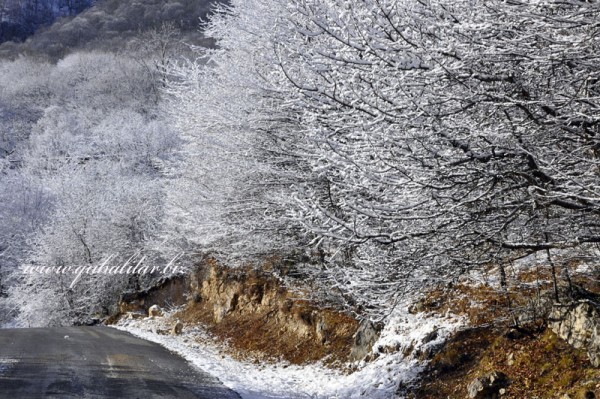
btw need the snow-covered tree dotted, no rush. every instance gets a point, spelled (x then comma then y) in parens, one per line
(424, 137)
(241, 172)
(87, 183)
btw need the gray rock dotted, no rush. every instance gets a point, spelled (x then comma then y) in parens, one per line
(155, 311)
(364, 339)
(490, 386)
(177, 328)
(431, 336)
(578, 323)
(322, 330)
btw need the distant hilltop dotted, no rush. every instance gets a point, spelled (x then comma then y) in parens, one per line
(55, 28)
(19, 19)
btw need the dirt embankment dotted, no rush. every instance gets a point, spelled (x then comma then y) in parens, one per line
(254, 314)
(509, 334)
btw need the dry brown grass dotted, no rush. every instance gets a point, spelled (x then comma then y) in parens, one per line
(262, 337)
(537, 363)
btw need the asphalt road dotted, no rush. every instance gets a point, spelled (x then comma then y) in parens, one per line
(96, 362)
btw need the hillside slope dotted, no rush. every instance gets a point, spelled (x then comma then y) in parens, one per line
(108, 24)
(19, 19)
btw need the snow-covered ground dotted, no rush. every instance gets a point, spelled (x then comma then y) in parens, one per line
(378, 379)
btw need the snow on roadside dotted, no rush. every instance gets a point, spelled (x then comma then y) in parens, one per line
(378, 379)
(6, 364)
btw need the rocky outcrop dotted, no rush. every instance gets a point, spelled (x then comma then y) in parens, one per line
(364, 339)
(490, 386)
(255, 313)
(578, 323)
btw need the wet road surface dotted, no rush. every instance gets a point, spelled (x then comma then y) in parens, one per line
(96, 362)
